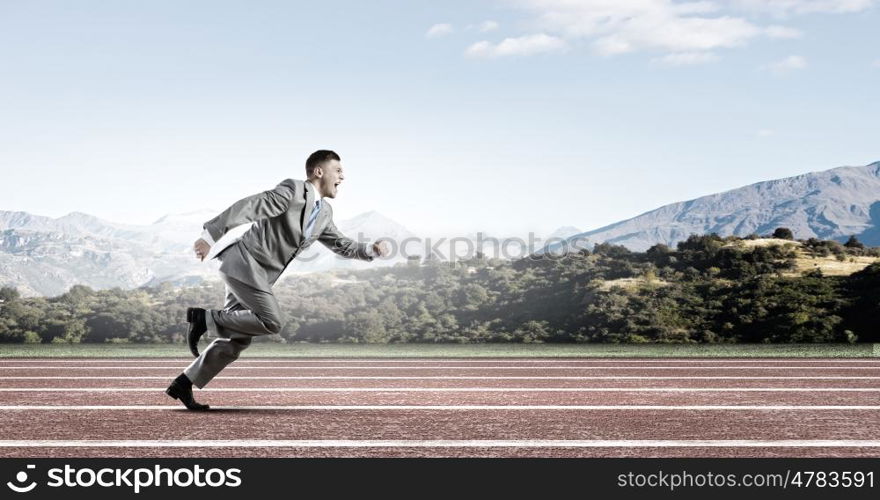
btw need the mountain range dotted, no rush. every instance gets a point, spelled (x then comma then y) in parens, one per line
(46, 256)
(831, 204)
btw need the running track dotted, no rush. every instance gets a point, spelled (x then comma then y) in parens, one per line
(485, 407)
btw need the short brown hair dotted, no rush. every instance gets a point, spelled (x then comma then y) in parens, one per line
(319, 157)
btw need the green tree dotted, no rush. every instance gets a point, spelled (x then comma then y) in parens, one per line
(854, 242)
(783, 233)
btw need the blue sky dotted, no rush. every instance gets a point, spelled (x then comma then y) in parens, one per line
(503, 116)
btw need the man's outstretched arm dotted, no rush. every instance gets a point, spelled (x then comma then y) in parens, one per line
(347, 247)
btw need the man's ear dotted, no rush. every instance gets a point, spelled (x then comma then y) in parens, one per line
(319, 172)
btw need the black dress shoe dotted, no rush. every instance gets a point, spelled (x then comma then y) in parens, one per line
(185, 394)
(198, 325)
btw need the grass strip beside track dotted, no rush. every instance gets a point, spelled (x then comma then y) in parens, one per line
(457, 350)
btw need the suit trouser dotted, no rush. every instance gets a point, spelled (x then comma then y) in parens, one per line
(247, 313)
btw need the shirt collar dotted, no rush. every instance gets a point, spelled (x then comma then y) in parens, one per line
(317, 191)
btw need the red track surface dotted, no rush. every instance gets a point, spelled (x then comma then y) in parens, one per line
(321, 408)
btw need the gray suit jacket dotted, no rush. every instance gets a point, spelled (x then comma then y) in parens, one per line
(276, 238)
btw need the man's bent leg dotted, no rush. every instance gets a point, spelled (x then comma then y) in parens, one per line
(216, 357)
(247, 312)
(253, 311)
(230, 304)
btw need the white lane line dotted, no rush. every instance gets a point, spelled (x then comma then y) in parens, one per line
(448, 360)
(451, 407)
(452, 389)
(458, 443)
(573, 367)
(440, 377)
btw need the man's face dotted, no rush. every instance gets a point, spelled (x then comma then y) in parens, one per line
(329, 177)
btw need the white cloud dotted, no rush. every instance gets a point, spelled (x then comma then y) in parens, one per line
(622, 26)
(439, 30)
(487, 26)
(787, 65)
(685, 59)
(782, 32)
(670, 27)
(765, 132)
(521, 46)
(789, 7)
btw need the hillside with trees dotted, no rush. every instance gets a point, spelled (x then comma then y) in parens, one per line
(708, 289)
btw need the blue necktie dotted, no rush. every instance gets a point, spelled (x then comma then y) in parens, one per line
(310, 225)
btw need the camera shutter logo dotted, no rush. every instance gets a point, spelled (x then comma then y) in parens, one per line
(20, 478)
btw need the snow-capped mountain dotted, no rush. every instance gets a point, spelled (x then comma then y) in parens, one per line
(46, 256)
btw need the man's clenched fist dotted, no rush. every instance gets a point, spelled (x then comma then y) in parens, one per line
(380, 248)
(201, 248)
